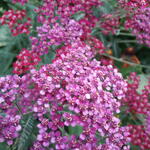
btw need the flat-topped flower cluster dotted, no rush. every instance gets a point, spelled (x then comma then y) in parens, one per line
(72, 91)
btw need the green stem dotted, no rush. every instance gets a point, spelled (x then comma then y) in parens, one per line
(19, 109)
(126, 34)
(125, 61)
(127, 41)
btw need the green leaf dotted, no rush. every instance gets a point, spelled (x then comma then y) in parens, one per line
(143, 82)
(47, 58)
(115, 48)
(126, 71)
(6, 59)
(77, 130)
(5, 35)
(9, 48)
(25, 137)
(141, 118)
(133, 147)
(78, 16)
(108, 6)
(3, 146)
(2, 114)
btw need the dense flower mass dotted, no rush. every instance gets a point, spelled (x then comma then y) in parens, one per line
(69, 93)
(134, 15)
(139, 24)
(52, 11)
(111, 24)
(147, 123)
(76, 84)
(66, 32)
(9, 122)
(8, 86)
(9, 128)
(26, 60)
(139, 136)
(65, 9)
(133, 3)
(60, 29)
(17, 21)
(137, 102)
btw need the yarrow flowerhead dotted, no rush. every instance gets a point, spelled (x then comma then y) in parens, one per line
(9, 128)
(137, 102)
(26, 60)
(65, 9)
(147, 123)
(74, 83)
(110, 24)
(139, 137)
(17, 21)
(74, 91)
(63, 33)
(139, 24)
(139, 107)
(131, 4)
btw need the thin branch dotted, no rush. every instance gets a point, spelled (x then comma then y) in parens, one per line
(30, 112)
(125, 61)
(127, 41)
(125, 34)
(19, 109)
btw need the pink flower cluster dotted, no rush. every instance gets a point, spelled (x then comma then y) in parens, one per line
(137, 103)
(65, 8)
(66, 32)
(74, 6)
(95, 44)
(133, 3)
(136, 15)
(147, 123)
(17, 21)
(111, 23)
(52, 11)
(9, 128)
(9, 121)
(88, 23)
(26, 60)
(8, 87)
(58, 26)
(72, 91)
(139, 24)
(139, 136)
